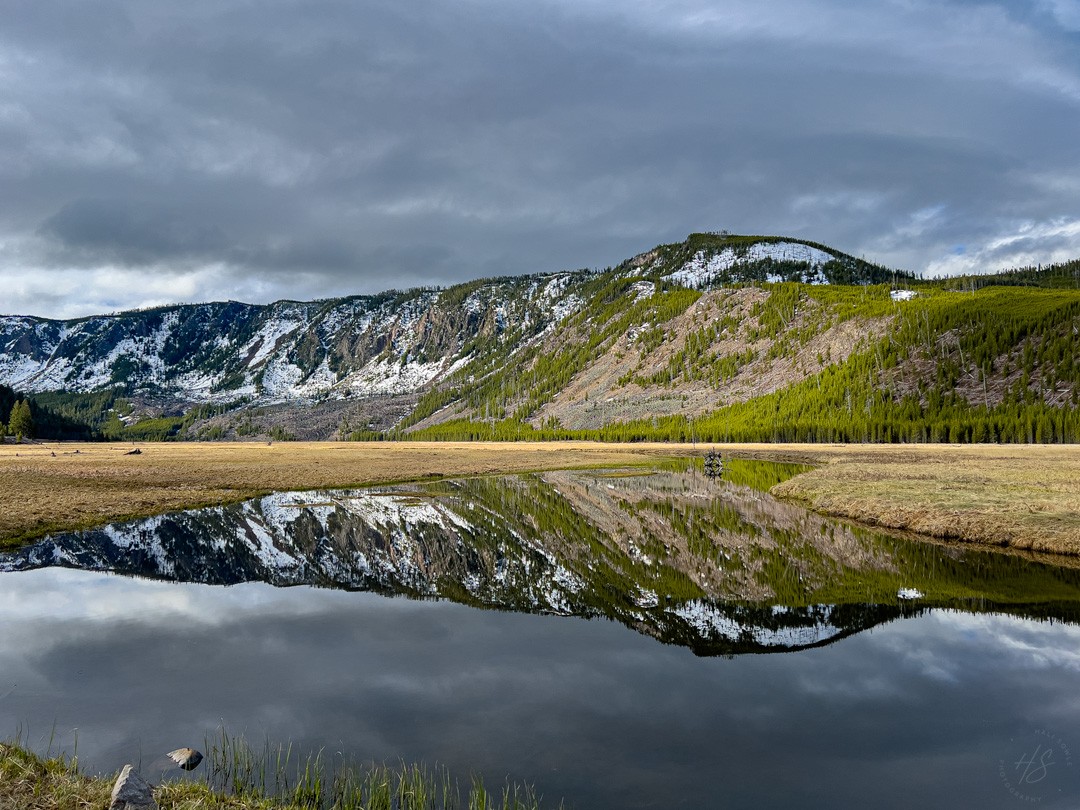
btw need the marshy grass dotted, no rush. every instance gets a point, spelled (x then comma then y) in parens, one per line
(239, 776)
(1017, 496)
(318, 781)
(30, 782)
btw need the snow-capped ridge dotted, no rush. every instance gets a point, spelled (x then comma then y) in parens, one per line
(705, 267)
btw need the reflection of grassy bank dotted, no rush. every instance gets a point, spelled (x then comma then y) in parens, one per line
(964, 577)
(239, 778)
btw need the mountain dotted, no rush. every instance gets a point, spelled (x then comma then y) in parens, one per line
(718, 336)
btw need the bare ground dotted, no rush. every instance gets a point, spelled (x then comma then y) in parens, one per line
(598, 396)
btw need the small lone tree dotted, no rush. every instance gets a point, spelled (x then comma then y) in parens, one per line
(21, 422)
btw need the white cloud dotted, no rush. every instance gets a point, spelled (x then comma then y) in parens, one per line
(1024, 244)
(55, 596)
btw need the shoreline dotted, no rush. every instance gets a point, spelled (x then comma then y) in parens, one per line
(1024, 497)
(56, 782)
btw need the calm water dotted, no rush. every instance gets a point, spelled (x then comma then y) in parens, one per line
(664, 640)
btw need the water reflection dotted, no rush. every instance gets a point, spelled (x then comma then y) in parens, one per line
(916, 713)
(720, 567)
(924, 711)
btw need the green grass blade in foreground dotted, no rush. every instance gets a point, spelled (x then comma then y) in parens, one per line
(238, 770)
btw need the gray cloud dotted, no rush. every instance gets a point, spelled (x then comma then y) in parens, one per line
(291, 150)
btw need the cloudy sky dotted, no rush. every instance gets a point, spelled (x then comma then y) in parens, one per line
(158, 152)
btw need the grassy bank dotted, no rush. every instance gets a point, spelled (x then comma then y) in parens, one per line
(232, 782)
(1024, 496)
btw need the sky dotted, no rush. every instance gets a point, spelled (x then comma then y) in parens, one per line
(154, 153)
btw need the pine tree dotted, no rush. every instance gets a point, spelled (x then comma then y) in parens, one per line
(21, 422)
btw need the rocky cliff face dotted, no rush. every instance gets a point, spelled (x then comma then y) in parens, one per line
(221, 352)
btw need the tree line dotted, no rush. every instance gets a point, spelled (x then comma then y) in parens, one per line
(28, 419)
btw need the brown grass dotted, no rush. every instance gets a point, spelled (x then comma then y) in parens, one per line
(1017, 495)
(29, 782)
(57, 487)
(1021, 496)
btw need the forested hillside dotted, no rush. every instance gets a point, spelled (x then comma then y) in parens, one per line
(716, 338)
(994, 364)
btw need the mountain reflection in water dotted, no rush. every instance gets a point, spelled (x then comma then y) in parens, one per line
(713, 565)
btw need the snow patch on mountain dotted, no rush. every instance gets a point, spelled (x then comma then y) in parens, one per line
(565, 308)
(265, 342)
(555, 288)
(21, 371)
(704, 268)
(392, 376)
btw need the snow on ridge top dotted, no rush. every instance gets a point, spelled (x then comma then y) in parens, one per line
(700, 270)
(22, 322)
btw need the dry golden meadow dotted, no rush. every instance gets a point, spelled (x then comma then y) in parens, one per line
(1020, 496)
(57, 486)
(1024, 496)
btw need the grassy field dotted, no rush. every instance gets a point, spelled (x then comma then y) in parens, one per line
(1025, 496)
(1020, 496)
